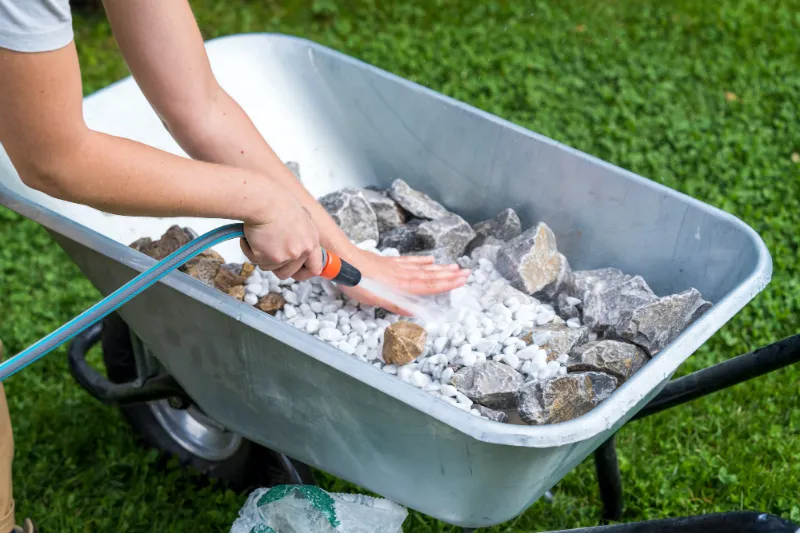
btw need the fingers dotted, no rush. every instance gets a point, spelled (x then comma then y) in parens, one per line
(303, 274)
(429, 286)
(314, 261)
(289, 269)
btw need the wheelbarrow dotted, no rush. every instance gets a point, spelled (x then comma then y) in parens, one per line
(213, 376)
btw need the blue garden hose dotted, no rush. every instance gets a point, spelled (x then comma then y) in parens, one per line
(345, 274)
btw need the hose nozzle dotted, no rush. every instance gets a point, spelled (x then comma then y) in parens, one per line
(339, 271)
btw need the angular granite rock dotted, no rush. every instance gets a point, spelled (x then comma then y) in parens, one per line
(352, 213)
(566, 306)
(404, 238)
(563, 279)
(271, 303)
(504, 227)
(604, 306)
(389, 214)
(594, 280)
(531, 262)
(620, 359)
(171, 240)
(450, 233)
(403, 342)
(657, 323)
(490, 384)
(602, 385)
(415, 202)
(556, 400)
(488, 250)
(561, 339)
(491, 414)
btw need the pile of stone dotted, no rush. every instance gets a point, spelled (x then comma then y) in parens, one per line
(527, 340)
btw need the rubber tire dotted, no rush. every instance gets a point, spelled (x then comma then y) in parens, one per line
(250, 467)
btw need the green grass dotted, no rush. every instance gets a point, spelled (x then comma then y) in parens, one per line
(641, 84)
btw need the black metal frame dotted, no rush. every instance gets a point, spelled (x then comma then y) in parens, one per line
(677, 392)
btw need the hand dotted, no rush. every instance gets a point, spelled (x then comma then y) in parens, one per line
(417, 275)
(287, 242)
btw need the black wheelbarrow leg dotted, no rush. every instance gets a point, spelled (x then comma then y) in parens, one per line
(683, 390)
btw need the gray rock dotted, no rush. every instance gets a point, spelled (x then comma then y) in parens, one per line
(556, 400)
(504, 227)
(491, 414)
(620, 359)
(594, 280)
(563, 280)
(531, 262)
(405, 238)
(657, 323)
(351, 211)
(440, 255)
(294, 166)
(451, 233)
(602, 385)
(564, 308)
(389, 214)
(606, 304)
(415, 202)
(562, 339)
(486, 251)
(490, 384)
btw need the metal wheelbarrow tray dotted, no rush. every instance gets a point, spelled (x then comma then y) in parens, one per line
(350, 124)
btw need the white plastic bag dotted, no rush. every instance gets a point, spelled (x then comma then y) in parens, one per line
(309, 509)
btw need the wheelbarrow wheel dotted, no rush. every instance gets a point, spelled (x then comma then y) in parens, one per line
(185, 432)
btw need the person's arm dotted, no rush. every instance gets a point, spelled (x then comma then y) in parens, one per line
(43, 131)
(165, 52)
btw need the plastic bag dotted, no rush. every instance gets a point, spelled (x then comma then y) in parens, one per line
(309, 509)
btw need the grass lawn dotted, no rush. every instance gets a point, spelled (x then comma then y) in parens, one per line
(701, 96)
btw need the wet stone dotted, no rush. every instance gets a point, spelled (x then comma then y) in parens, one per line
(205, 270)
(491, 414)
(271, 303)
(556, 400)
(605, 306)
(206, 255)
(352, 213)
(171, 240)
(657, 323)
(227, 278)
(562, 339)
(405, 238)
(504, 227)
(247, 270)
(237, 292)
(389, 214)
(450, 233)
(490, 384)
(403, 342)
(620, 359)
(531, 262)
(416, 202)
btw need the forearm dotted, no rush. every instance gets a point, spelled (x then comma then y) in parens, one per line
(225, 134)
(125, 177)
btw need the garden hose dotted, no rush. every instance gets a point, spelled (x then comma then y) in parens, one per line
(334, 269)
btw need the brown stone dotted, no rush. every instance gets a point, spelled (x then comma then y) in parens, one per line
(237, 292)
(202, 256)
(173, 238)
(226, 279)
(205, 270)
(247, 270)
(403, 342)
(271, 303)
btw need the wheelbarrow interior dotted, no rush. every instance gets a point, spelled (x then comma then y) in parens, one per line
(350, 124)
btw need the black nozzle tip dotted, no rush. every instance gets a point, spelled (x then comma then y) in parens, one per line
(349, 276)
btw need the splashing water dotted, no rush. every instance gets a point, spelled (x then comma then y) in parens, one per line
(424, 309)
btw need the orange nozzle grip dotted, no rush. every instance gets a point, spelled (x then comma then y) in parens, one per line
(332, 267)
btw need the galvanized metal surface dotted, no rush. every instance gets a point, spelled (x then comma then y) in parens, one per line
(348, 123)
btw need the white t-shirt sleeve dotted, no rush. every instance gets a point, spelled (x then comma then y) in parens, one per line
(35, 25)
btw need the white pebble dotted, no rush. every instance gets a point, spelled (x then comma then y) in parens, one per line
(290, 311)
(447, 374)
(300, 322)
(303, 291)
(330, 308)
(500, 310)
(563, 358)
(329, 288)
(526, 367)
(330, 334)
(405, 372)
(418, 379)
(251, 298)
(252, 288)
(464, 406)
(511, 360)
(520, 344)
(316, 307)
(345, 328)
(359, 326)
(592, 336)
(458, 339)
(572, 301)
(381, 323)
(390, 369)
(461, 398)
(312, 326)
(540, 338)
(432, 387)
(511, 341)
(469, 359)
(529, 352)
(439, 344)
(474, 337)
(371, 324)
(464, 349)
(510, 350)
(485, 265)
(475, 412)
(480, 357)
(325, 324)
(562, 371)
(290, 297)
(347, 348)
(573, 323)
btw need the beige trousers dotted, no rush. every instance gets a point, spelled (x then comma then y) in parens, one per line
(7, 521)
